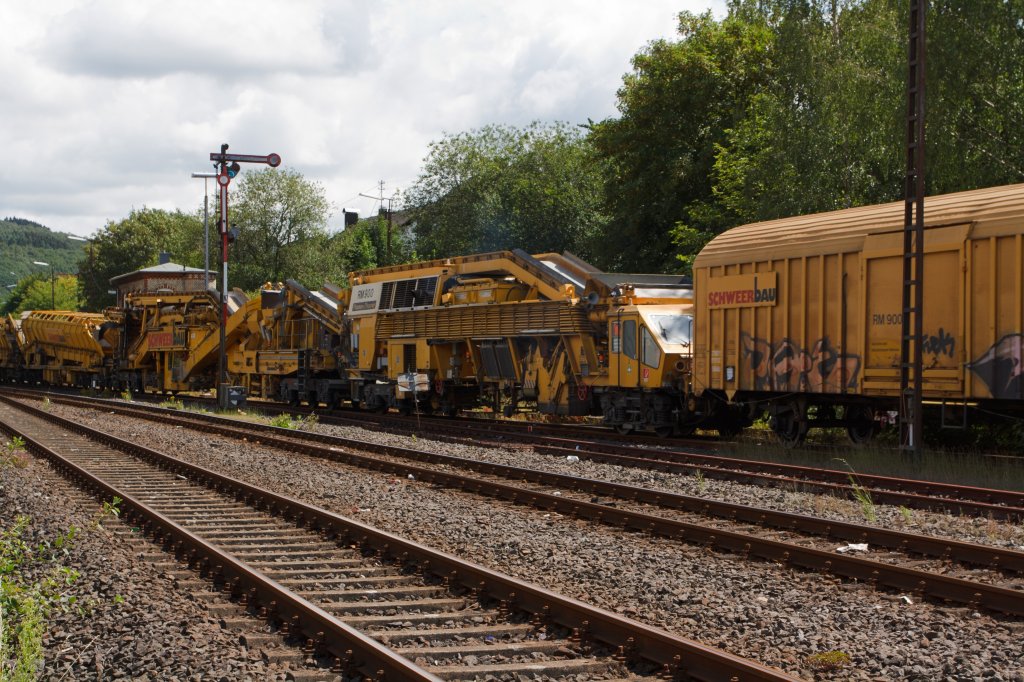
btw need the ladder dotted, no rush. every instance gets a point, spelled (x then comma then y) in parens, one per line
(913, 242)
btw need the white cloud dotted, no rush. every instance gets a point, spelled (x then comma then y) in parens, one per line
(110, 104)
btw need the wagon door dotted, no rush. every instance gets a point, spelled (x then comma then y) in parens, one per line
(625, 368)
(943, 344)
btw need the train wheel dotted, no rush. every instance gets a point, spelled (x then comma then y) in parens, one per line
(625, 429)
(664, 431)
(729, 430)
(789, 431)
(788, 426)
(860, 424)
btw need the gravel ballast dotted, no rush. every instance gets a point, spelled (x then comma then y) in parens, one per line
(771, 614)
(124, 618)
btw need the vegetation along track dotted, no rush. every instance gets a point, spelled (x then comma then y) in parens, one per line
(364, 599)
(911, 493)
(938, 568)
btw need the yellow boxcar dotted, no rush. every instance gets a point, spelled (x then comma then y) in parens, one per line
(806, 312)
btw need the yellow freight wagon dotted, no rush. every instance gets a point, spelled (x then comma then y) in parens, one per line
(64, 347)
(11, 342)
(801, 317)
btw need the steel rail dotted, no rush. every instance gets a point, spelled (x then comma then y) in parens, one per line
(342, 641)
(917, 494)
(923, 583)
(941, 548)
(761, 474)
(675, 654)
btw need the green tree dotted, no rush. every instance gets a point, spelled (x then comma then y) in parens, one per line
(498, 187)
(136, 242)
(788, 107)
(23, 241)
(281, 220)
(975, 94)
(825, 132)
(675, 107)
(41, 292)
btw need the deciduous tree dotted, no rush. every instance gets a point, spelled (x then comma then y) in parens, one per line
(281, 220)
(136, 242)
(39, 292)
(499, 187)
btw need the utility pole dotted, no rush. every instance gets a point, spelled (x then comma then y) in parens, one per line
(912, 330)
(387, 217)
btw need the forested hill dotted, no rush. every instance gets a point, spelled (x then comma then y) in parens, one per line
(23, 241)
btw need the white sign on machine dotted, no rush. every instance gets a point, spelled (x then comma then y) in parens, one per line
(365, 299)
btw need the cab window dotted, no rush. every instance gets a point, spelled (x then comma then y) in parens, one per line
(650, 353)
(629, 339)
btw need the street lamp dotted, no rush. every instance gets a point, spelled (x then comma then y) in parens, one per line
(53, 283)
(206, 225)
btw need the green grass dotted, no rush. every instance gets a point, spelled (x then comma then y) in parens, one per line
(828, 661)
(26, 602)
(862, 495)
(13, 454)
(963, 466)
(287, 421)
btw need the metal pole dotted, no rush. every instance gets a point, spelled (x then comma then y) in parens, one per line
(912, 319)
(227, 165)
(222, 385)
(206, 225)
(206, 234)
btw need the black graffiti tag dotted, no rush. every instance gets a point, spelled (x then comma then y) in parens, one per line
(939, 344)
(786, 366)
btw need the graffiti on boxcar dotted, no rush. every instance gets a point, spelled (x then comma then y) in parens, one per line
(1001, 367)
(786, 366)
(942, 343)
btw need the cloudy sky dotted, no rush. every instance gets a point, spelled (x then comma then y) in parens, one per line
(109, 105)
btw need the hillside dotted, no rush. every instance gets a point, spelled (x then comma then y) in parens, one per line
(23, 241)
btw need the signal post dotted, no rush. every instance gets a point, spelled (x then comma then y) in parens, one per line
(227, 166)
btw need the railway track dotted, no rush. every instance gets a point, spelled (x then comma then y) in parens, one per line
(910, 493)
(365, 602)
(937, 568)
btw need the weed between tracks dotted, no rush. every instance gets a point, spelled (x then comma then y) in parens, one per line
(828, 661)
(172, 404)
(862, 495)
(14, 455)
(287, 421)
